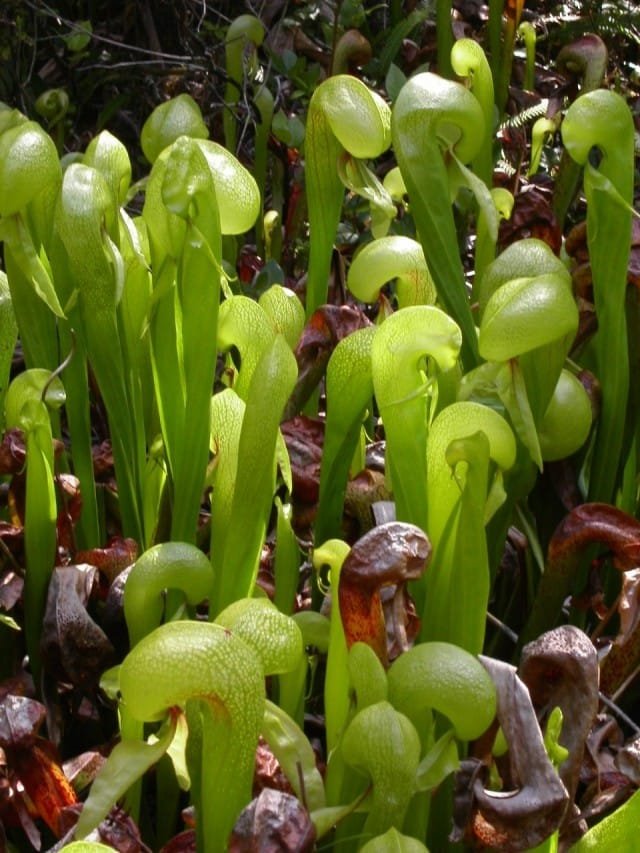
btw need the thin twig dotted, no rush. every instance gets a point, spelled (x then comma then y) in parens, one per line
(618, 712)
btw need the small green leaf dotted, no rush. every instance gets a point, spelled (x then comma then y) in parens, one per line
(394, 81)
(513, 393)
(556, 752)
(180, 116)
(127, 763)
(481, 193)
(292, 749)
(79, 37)
(326, 819)
(441, 760)
(177, 753)
(274, 637)
(315, 629)
(393, 842)
(288, 129)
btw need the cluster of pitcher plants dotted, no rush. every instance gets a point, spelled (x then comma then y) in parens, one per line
(504, 410)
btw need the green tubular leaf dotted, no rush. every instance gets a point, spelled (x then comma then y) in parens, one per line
(585, 59)
(175, 565)
(10, 117)
(343, 115)
(457, 495)
(29, 167)
(167, 566)
(393, 842)
(272, 228)
(275, 638)
(24, 408)
(183, 661)
(227, 412)
(358, 117)
(503, 202)
(109, 156)
(87, 214)
(271, 385)
(35, 320)
(448, 679)
(349, 388)
(285, 311)
(314, 627)
(244, 31)
(384, 744)
(399, 354)
(52, 105)
(165, 230)
(166, 357)
(188, 317)
(393, 257)
(447, 110)
(529, 314)
(468, 59)
(527, 32)
(185, 178)
(287, 559)
(541, 133)
(567, 421)
(524, 314)
(135, 304)
(430, 116)
(265, 105)
(32, 263)
(8, 337)
(40, 526)
(236, 189)
(333, 553)
(291, 685)
(602, 119)
(87, 222)
(245, 325)
(444, 36)
(28, 387)
(367, 675)
(461, 420)
(179, 116)
(523, 259)
(463, 559)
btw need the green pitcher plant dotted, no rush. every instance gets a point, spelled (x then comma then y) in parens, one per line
(27, 405)
(344, 116)
(185, 220)
(216, 672)
(437, 128)
(601, 120)
(257, 615)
